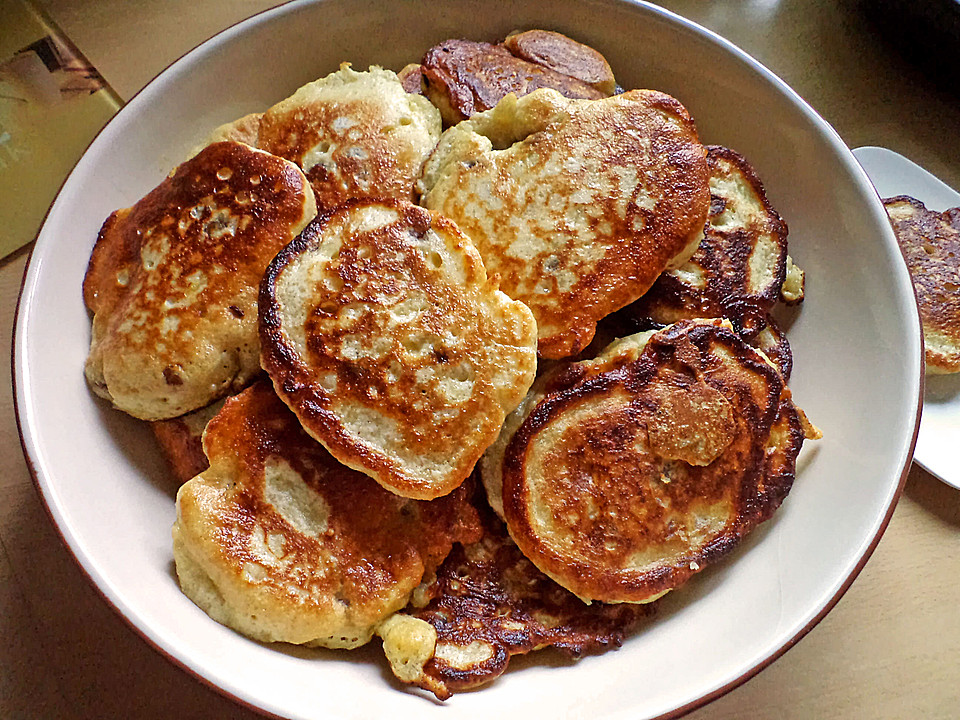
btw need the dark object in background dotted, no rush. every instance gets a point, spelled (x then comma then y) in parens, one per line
(927, 32)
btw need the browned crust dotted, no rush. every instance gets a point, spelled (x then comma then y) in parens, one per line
(772, 341)
(181, 448)
(930, 242)
(564, 55)
(723, 258)
(172, 281)
(411, 77)
(463, 77)
(376, 539)
(488, 593)
(748, 476)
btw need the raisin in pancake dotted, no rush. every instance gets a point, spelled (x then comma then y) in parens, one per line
(565, 55)
(180, 441)
(578, 205)
(355, 134)
(383, 333)
(172, 281)
(740, 266)
(487, 604)
(282, 543)
(930, 242)
(462, 77)
(625, 475)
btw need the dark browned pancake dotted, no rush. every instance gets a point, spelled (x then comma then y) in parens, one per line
(565, 55)
(740, 266)
(180, 441)
(283, 543)
(489, 603)
(172, 281)
(623, 476)
(462, 77)
(930, 242)
(773, 343)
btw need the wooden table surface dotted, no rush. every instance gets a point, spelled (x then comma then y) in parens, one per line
(889, 649)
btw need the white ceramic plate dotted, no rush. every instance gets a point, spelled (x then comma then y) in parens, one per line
(937, 451)
(857, 332)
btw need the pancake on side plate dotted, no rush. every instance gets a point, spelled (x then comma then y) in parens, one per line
(280, 542)
(172, 281)
(578, 205)
(623, 476)
(464, 77)
(740, 266)
(383, 333)
(487, 604)
(355, 134)
(930, 242)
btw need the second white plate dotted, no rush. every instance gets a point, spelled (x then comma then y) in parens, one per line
(937, 450)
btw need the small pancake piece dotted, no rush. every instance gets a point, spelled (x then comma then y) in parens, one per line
(578, 205)
(282, 543)
(355, 134)
(383, 333)
(739, 269)
(624, 476)
(463, 77)
(172, 281)
(565, 55)
(930, 242)
(181, 441)
(487, 604)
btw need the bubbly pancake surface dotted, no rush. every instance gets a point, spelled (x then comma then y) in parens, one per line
(487, 604)
(282, 543)
(930, 242)
(740, 266)
(172, 281)
(625, 475)
(354, 134)
(383, 333)
(463, 77)
(578, 205)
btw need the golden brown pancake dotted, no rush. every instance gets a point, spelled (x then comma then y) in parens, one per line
(578, 205)
(172, 281)
(623, 476)
(462, 77)
(383, 333)
(930, 242)
(282, 543)
(740, 266)
(565, 55)
(355, 134)
(487, 604)
(245, 129)
(180, 441)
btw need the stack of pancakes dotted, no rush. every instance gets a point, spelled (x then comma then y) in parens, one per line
(479, 390)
